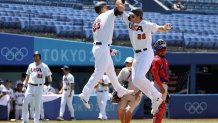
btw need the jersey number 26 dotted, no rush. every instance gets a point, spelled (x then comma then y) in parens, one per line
(141, 36)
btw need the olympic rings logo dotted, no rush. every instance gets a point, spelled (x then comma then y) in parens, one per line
(195, 107)
(14, 53)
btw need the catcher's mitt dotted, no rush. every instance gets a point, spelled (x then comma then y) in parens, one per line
(115, 99)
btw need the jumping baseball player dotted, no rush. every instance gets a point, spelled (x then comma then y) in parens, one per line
(102, 91)
(140, 35)
(127, 103)
(67, 92)
(18, 97)
(35, 79)
(102, 34)
(160, 72)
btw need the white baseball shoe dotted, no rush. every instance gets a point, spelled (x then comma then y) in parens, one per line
(60, 118)
(155, 105)
(86, 103)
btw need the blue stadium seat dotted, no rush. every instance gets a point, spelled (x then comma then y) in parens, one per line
(121, 34)
(88, 33)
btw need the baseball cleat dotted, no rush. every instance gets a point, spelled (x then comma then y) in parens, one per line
(155, 105)
(86, 103)
(72, 119)
(60, 118)
(43, 119)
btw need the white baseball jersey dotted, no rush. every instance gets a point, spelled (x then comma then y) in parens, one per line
(103, 27)
(48, 89)
(140, 33)
(10, 92)
(123, 75)
(2, 88)
(19, 97)
(105, 81)
(67, 80)
(38, 73)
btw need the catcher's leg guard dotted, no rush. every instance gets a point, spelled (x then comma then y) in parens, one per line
(158, 116)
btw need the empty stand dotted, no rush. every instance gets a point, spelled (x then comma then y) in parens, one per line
(189, 30)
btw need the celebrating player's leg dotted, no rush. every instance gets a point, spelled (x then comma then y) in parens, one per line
(102, 34)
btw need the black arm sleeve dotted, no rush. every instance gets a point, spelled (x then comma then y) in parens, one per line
(117, 12)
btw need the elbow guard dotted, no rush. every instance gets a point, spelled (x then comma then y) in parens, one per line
(117, 12)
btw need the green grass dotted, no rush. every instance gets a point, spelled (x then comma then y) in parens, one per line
(133, 121)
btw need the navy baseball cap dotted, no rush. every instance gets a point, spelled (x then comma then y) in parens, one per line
(67, 68)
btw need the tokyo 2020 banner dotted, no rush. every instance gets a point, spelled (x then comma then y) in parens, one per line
(18, 50)
(60, 52)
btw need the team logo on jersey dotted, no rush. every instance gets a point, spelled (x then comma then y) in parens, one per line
(36, 70)
(135, 27)
(14, 53)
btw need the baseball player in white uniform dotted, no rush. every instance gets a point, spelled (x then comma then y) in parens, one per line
(2, 89)
(141, 39)
(18, 97)
(35, 79)
(102, 91)
(67, 92)
(102, 33)
(10, 92)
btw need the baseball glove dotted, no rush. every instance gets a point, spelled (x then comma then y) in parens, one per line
(115, 99)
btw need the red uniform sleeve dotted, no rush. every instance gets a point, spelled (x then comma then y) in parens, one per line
(155, 70)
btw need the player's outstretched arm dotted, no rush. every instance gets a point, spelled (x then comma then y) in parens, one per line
(165, 27)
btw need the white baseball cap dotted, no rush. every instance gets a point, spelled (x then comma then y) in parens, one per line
(129, 59)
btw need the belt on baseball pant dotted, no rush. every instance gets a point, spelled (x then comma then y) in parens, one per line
(36, 84)
(100, 43)
(138, 51)
(102, 91)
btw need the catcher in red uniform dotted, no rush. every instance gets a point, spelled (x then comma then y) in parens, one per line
(160, 71)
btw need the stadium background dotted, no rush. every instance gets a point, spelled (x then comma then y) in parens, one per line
(192, 45)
